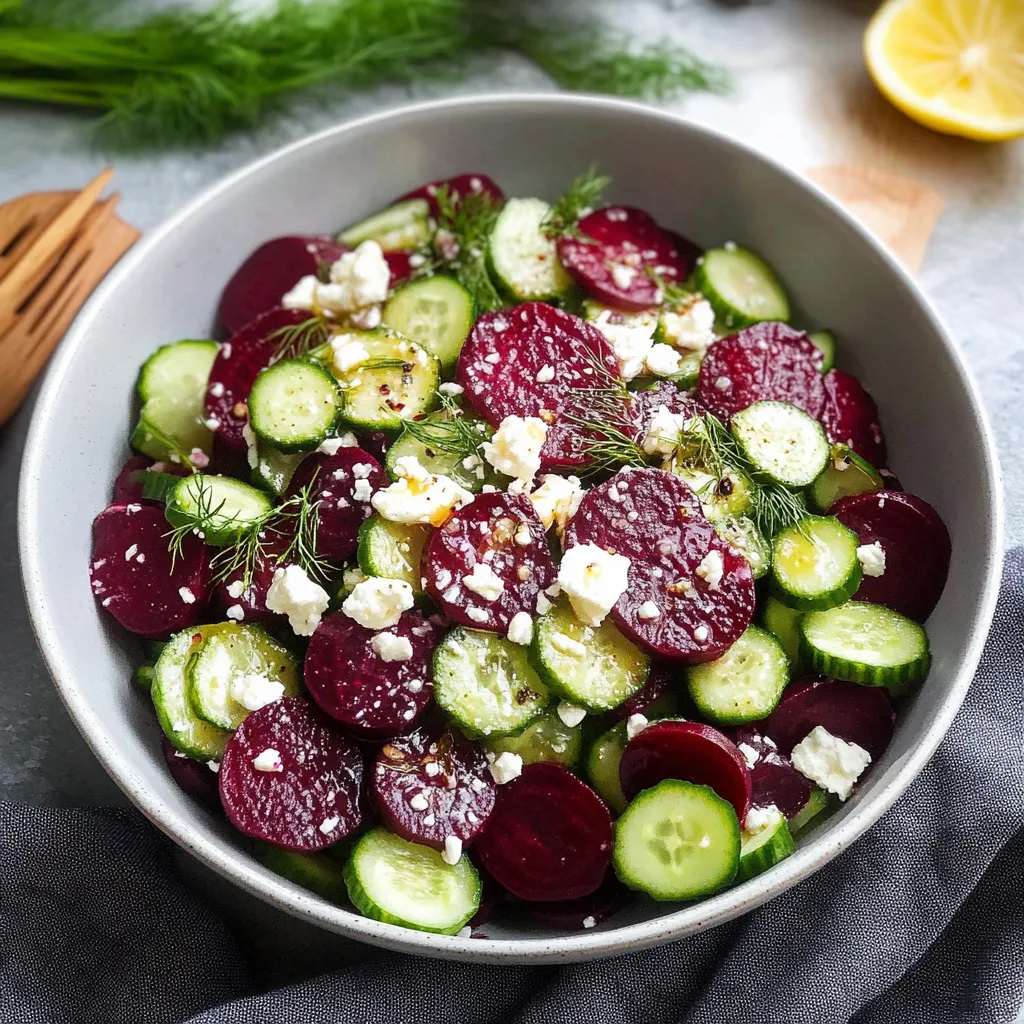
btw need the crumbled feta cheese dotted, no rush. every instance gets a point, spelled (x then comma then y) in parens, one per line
(133, 508)
(692, 329)
(254, 691)
(571, 715)
(663, 432)
(505, 767)
(589, 922)
(567, 645)
(760, 818)
(515, 448)
(418, 802)
(749, 754)
(217, 389)
(214, 766)
(477, 614)
(332, 445)
(545, 374)
(520, 629)
(303, 294)
(623, 275)
(235, 589)
(294, 594)
(556, 499)
(465, 933)
(186, 595)
(543, 604)
(523, 535)
(328, 825)
(358, 282)
(711, 569)
(648, 610)
(378, 603)
(419, 496)
(662, 360)
(832, 763)
(362, 490)
(131, 552)
(348, 353)
(268, 760)
(701, 633)
(723, 383)
(236, 612)
(452, 852)
(484, 582)
(635, 724)
(451, 388)
(389, 647)
(594, 581)
(872, 559)
(630, 342)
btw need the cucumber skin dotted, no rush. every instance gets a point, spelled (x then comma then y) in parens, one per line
(562, 282)
(367, 562)
(313, 871)
(568, 757)
(783, 623)
(214, 537)
(817, 804)
(825, 343)
(840, 594)
(605, 777)
(307, 442)
(759, 860)
(447, 359)
(733, 318)
(859, 468)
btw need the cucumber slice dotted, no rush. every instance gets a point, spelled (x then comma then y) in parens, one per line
(720, 496)
(392, 550)
(764, 849)
(866, 643)
(317, 872)
(486, 683)
(155, 485)
(784, 622)
(782, 442)
(546, 738)
(221, 507)
(142, 677)
(522, 259)
(677, 841)
(742, 533)
(406, 225)
(293, 405)
(188, 733)
(815, 564)
(403, 883)
(595, 667)
(741, 287)
(435, 312)
(846, 473)
(603, 766)
(825, 342)
(817, 803)
(745, 683)
(179, 370)
(273, 470)
(236, 656)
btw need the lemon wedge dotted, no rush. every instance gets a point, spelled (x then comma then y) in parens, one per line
(956, 66)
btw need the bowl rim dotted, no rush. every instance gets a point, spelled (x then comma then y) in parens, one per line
(255, 879)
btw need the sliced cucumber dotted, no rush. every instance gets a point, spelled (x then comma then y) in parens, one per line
(220, 507)
(825, 343)
(142, 677)
(595, 667)
(188, 733)
(273, 470)
(815, 564)
(764, 849)
(742, 533)
(720, 496)
(293, 405)
(866, 643)
(318, 872)
(406, 884)
(546, 738)
(603, 766)
(486, 683)
(179, 370)
(817, 803)
(677, 841)
(745, 683)
(155, 485)
(392, 550)
(441, 447)
(522, 259)
(436, 313)
(406, 225)
(846, 473)
(741, 287)
(784, 622)
(782, 442)
(236, 658)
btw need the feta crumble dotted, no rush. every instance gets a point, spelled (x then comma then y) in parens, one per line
(663, 432)
(419, 496)
(556, 500)
(545, 374)
(749, 754)
(635, 725)
(571, 715)
(254, 691)
(872, 559)
(760, 818)
(594, 580)
(711, 569)
(515, 448)
(520, 629)
(294, 594)
(378, 603)
(832, 763)
(186, 595)
(389, 647)
(691, 329)
(662, 360)
(701, 633)
(648, 610)
(348, 353)
(332, 445)
(358, 282)
(328, 825)
(567, 645)
(484, 582)
(631, 342)
(268, 760)
(452, 852)
(505, 767)
(451, 388)
(418, 802)
(236, 612)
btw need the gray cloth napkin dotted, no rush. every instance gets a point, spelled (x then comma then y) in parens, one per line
(922, 920)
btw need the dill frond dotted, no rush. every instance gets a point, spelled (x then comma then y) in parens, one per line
(297, 340)
(576, 202)
(452, 435)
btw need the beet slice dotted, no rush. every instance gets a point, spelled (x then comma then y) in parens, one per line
(459, 185)
(658, 685)
(344, 504)
(549, 837)
(400, 265)
(850, 416)
(585, 912)
(766, 362)
(773, 779)
(653, 518)
(127, 489)
(489, 532)
(500, 361)
(196, 779)
(432, 784)
(916, 545)
(855, 713)
(271, 271)
(253, 599)
(131, 571)
(615, 249)
(314, 800)
(352, 683)
(235, 369)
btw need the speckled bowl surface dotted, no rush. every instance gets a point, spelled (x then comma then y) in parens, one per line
(706, 186)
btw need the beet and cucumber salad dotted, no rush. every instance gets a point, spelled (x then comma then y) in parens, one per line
(515, 557)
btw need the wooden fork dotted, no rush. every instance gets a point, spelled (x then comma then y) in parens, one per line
(55, 248)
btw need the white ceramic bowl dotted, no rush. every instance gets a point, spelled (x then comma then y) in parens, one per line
(708, 187)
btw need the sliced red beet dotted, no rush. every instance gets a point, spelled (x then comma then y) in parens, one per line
(128, 483)
(131, 571)
(400, 265)
(658, 685)
(549, 837)
(586, 911)
(351, 682)
(502, 533)
(850, 416)
(230, 591)
(691, 751)
(234, 371)
(916, 545)
(654, 519)
(431, 784)
(766, 362)
(196, 779)
(616, 248)
(375, 443)
(270, 272)
(773, 779)
(458, 186)
(855, 713)
(314, 800)
(344, 503)
(500, 361)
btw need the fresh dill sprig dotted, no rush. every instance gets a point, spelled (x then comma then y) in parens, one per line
(175, 451)
(204, 518)
(576, 202)
(297, 340)
(672, 294)
(452, 435)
